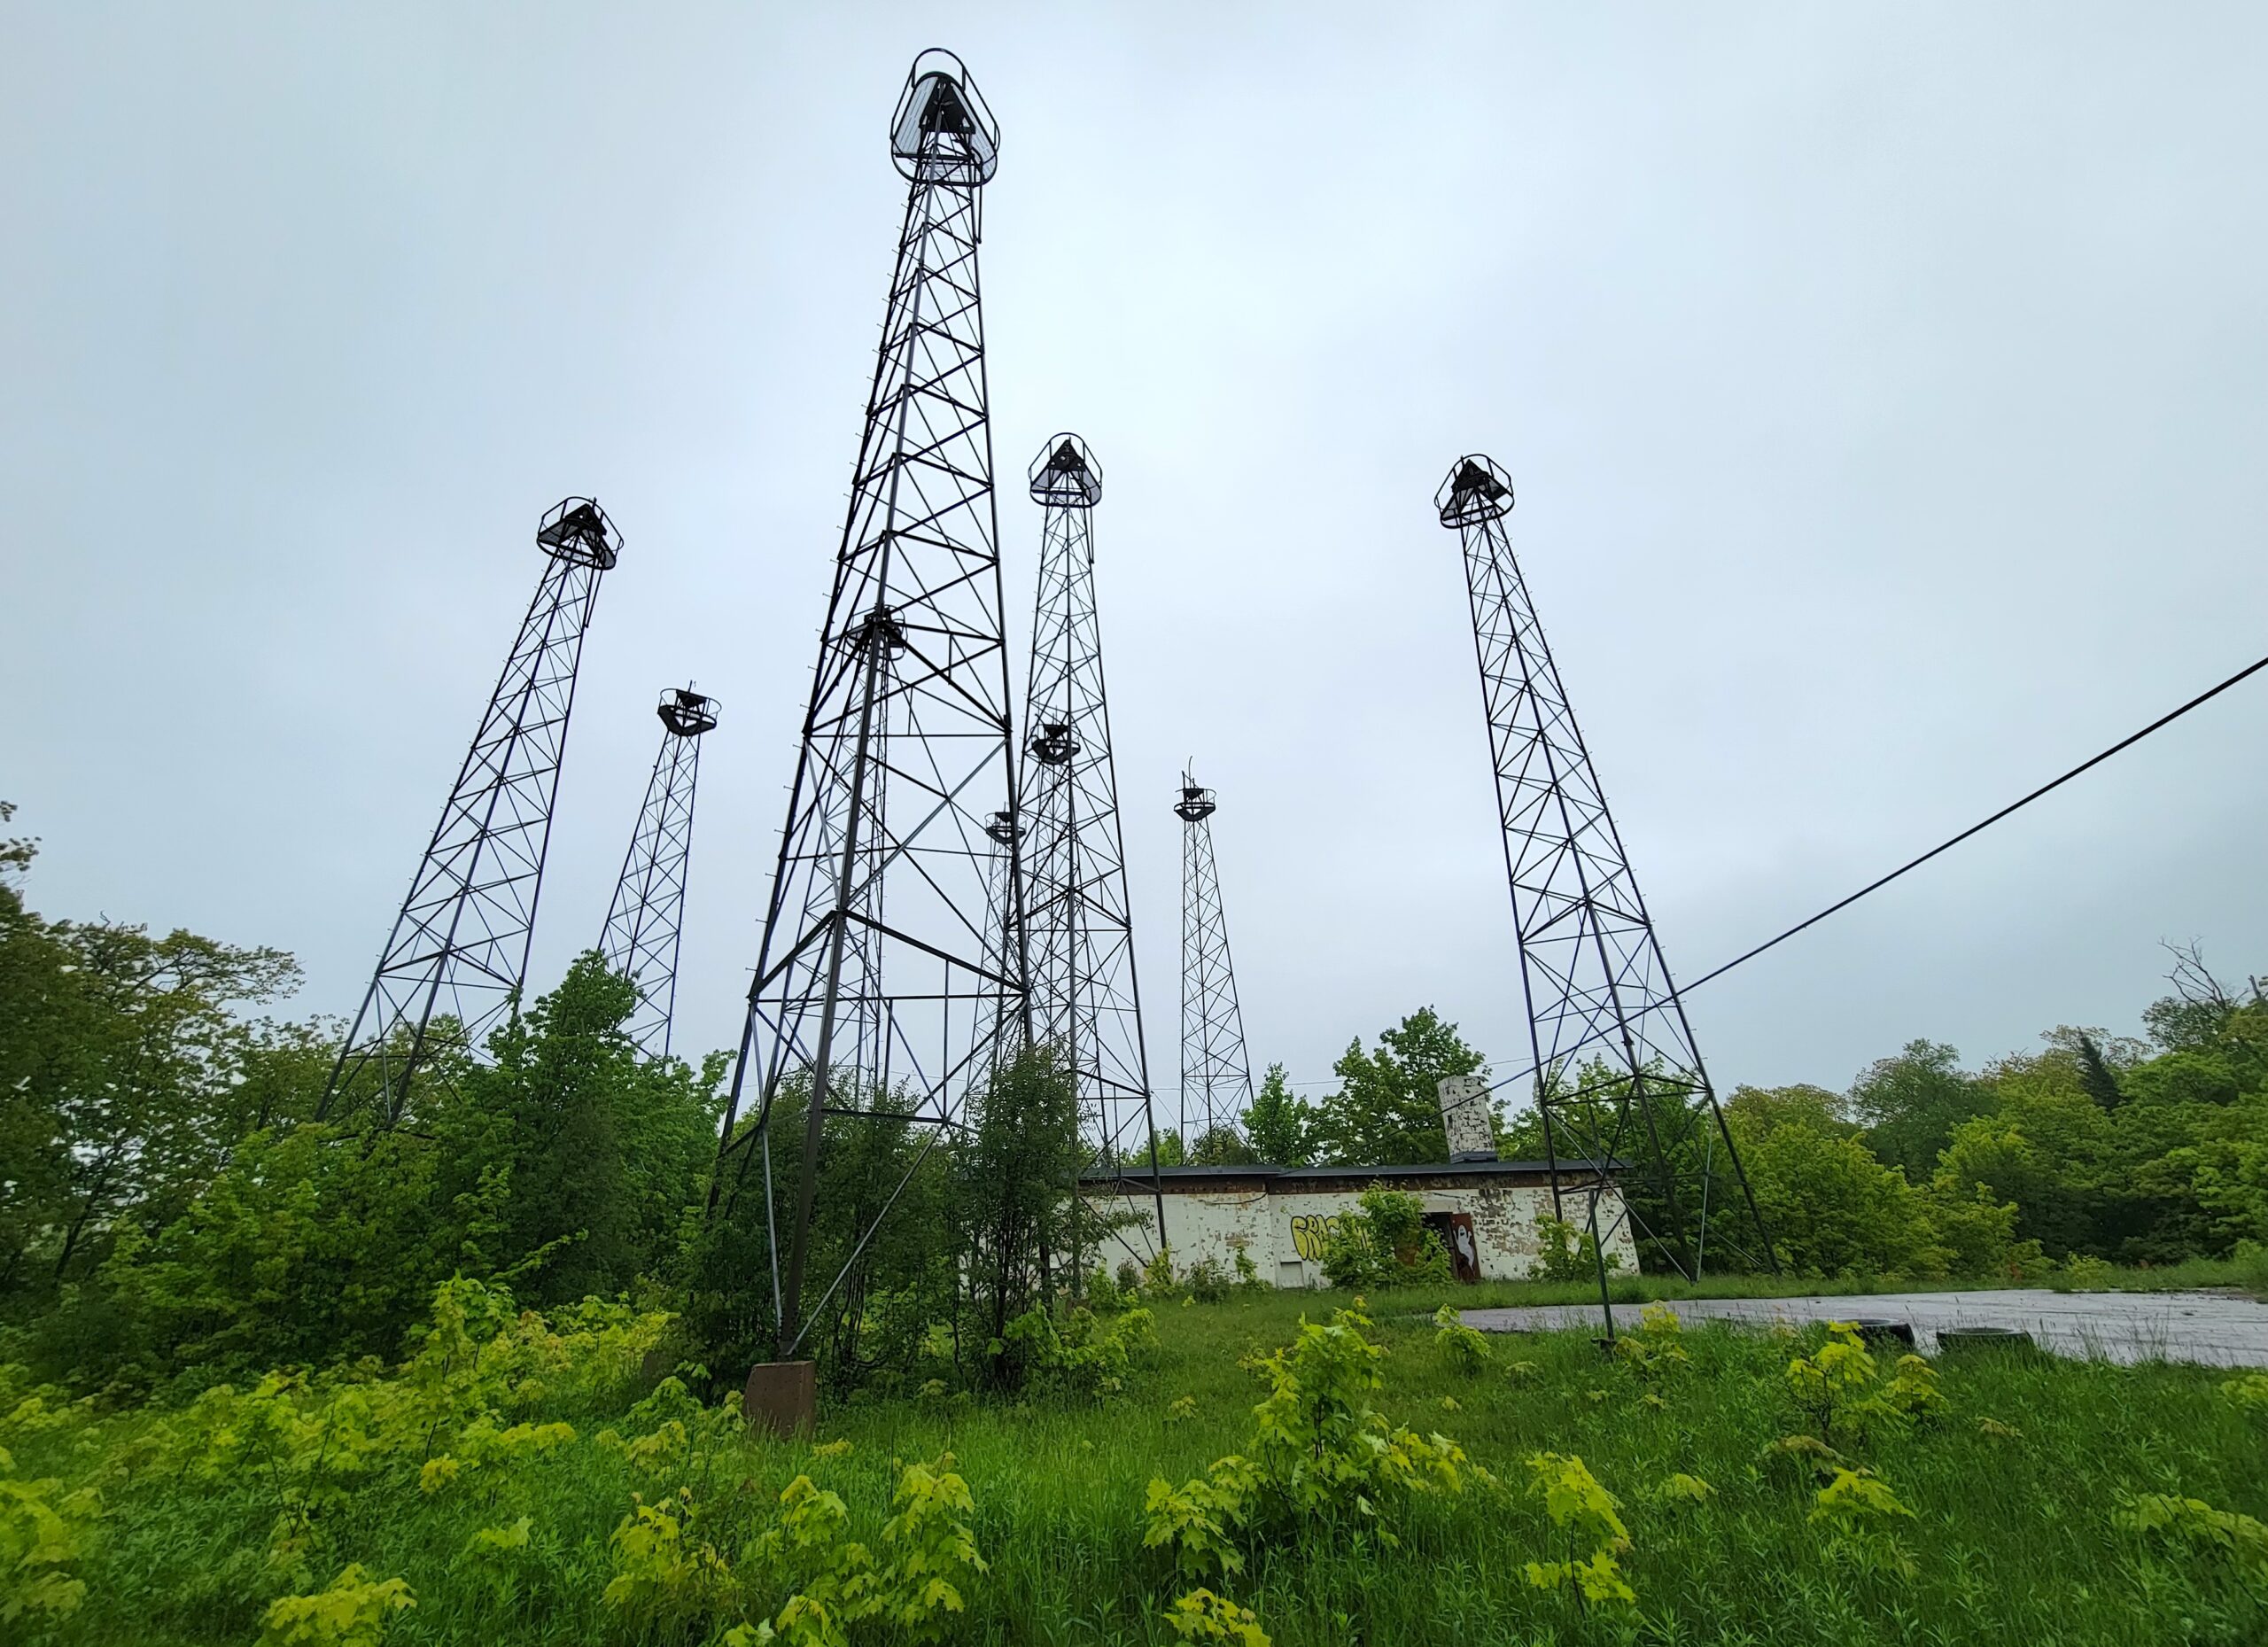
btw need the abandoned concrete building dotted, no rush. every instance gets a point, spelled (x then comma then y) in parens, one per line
(1486, 1212)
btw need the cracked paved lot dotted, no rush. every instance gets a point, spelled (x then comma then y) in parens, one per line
(2216, 1329)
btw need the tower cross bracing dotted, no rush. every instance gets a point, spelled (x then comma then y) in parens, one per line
(877, 985)
(1622, 1093)
(645, 921)
(1215, 1074)
(1085, 994)
(457, 957)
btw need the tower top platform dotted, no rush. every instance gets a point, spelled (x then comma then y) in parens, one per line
(943, 131)
(577, 529)
(1475, 491)
(687, 712)
(1064, 472)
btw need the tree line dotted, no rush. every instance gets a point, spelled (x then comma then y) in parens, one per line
(170, 1210)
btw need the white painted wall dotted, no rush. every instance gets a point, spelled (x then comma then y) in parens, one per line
(1281, 1232)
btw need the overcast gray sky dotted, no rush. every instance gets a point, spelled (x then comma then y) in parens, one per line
(1885, 388)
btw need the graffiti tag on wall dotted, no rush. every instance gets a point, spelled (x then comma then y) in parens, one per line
(1309, 1232)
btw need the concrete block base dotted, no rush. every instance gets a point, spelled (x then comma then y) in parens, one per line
(782, 1396)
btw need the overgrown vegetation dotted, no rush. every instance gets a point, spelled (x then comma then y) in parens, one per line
(1274, 1468)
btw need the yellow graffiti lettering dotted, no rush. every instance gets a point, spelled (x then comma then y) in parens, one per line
(1310, 1230)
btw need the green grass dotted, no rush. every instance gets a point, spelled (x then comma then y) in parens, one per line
(2014, 1539)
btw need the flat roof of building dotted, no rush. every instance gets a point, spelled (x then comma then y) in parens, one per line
(1195, 1178)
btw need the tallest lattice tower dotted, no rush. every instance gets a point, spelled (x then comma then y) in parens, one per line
(877, 985)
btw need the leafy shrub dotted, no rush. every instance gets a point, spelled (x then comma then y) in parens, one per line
(2192, 1525)
(1912, 1392)
(1586, 1513)
(1086, 1359)
(493, 1556)
(828, 1576)
(1859, 1510)
(1681, 1489)
(1209, 1280)
(1568, 1252)
(43, 1531)
(1157, 1272)
(933, 1553)
(2249, 1392)
(1247, 1272)
(1322, 1449)
(1467, 1347)
(1656, 1344)
(1320, 1453)
(666, 1575)
(1385, 1242)
(1201, 1616)
(2083, 1272)
(1839, 1388)
(352, 1611)
(1350, 1255)
(671, 1577)
(1197, 1521)
(1807, 1452)
(1105, 1295)
(1835, 1386)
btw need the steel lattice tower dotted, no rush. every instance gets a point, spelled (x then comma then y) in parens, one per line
(907, 750)
(458, 955)
(1618, 1076)
(1079, 946)
(644, 922)
(1215, 1077)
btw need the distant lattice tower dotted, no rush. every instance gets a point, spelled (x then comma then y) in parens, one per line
(1215, 1076)
(1079, 946)
(1620, 1081)
(878, 992)
(1003, 938)
(458, 955)
(646, 919)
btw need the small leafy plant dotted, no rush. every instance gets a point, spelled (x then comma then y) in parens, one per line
(1858, 1512)
(1586, 1513)
(1566, 1252)
(1466, 1348)
(1656, 1346)
(352, 1611)
(1201, 1616)
(1197, 1521)
(2193, 1526)
(1682, 1490)
(1835, 1386)
(2249, 1394)
(43, 1530)
(1321, 1453)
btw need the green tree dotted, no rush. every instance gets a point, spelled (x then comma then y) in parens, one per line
(571, 1162)
(1767, 1108)
(1387, 1111)
(123, 1058)
(1832, 1207)
(1017, 1225)
(1279, 1126)
(1222, 1147)
(1910, 1105)
(40, 1030)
